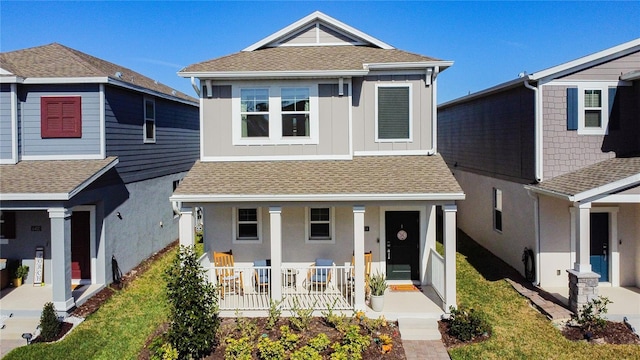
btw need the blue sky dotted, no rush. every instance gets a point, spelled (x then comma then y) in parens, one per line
(490, 42)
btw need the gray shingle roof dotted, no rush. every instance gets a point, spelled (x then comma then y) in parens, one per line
(49, 177)
(362, 175)
(305, 58)
(55, 60)
(592, 177)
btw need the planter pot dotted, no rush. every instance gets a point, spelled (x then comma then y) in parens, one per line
(377, 302)
(17, 282)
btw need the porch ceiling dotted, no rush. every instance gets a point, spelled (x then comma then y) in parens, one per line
(50, 179)
(364, 177)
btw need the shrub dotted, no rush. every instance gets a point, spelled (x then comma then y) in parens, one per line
(193, 306)
(49, 323)
(300, 317)
(246, 327)
(269, 349)
(590, 317)
(320, 342)
(352, 346)
(306, 353)
(289, 339)
(339, 322)
(274, 313)
(467, 324)
(239, 349)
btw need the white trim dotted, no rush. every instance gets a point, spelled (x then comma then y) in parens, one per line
(147, 91)
(316, 16)
(274, 158)
(92, 240)
(579, 82)
(592, 193)
(392, 85)
(350, 106)
(93, 177)
(11, 80)
(66, 80)
(201, 129)
(145, 139)
(307, 227)
(103, 123)
(408, 65)
(204, 198)
(14, 123)
(422, 223)
(234, 224)
(496, 208)
(619, 198)
(63, 157)
(603, 87)
(393, 153)
(5, 72)
(282, 74)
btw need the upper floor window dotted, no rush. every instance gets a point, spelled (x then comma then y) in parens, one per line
(247, 227)
(149, 127)
(588, 108)
(275, 114)
(61, 117)
(497, 209)
(393, 112)
(320, 225)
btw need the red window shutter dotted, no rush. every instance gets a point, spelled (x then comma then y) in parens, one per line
(61, 117)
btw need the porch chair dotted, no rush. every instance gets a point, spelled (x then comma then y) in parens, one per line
(228, 278)
(368, 258)
(261, 275)
(319, 274)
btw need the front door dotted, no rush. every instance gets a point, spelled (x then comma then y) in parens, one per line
(600, 245)
(402, 234)
(80, 245)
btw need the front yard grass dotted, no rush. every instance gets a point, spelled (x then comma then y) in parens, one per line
(119, 329)
(519, 331)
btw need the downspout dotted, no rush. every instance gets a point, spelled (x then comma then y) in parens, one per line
(195, 87)
(537, 131)
(434, 110)
(536, 225)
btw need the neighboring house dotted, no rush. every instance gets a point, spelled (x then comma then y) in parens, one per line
(90, 152)
(550, 161)
(319, 141)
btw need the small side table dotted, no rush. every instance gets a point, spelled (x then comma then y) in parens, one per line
(290, 278)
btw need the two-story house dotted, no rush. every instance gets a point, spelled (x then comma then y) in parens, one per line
(549, 162)
(91, 152)
(318, 145)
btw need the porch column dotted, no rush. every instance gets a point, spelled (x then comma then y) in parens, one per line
(275, 223)
(449, 240)
(61, 259)
(358, 256)
(187, 227)
(583, 238)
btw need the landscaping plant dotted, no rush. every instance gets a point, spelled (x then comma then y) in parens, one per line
(300, 317)
(274, 313)
(193, 306)
(466, 324)
(378, 284)
(590, 317)
(49, 323)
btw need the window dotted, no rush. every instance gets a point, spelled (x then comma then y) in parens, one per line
(149, 127)
(60, 117)
(275, 114)
(593, 108)
(588, 108)
(497, 209)
(7, 225)
(393, 112)
(295, 111)
(254, 111)
(247, 225)
(320, 225)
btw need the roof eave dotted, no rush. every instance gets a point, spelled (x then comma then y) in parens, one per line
(229, 75)
(148, 91)
(195, 198)
(492, 90)
(408, 65)
(591, 193)
(66, 80)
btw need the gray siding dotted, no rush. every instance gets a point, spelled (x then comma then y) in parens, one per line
(325, 35)
(610, 70)
(32, 143)
(493, 135)
(6, 138)
(177, 136)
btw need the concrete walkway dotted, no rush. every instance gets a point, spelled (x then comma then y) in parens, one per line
(421, 339)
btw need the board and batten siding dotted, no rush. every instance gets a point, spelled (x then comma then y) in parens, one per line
(177, 136)
(364, 114)
(492, 135)
(333, 127)
(32, 143)
(6, 131)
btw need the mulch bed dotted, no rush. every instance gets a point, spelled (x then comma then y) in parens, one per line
(65, 327)
(611, 333)
(451, 341)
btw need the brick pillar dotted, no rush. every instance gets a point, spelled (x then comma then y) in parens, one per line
(583, 287)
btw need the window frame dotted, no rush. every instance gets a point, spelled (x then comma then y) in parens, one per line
(498, 208)
(45, 133)
(146, 119)
(377, 131)
(332, 226)
(275, 113)
(236, 223)
(604, 109)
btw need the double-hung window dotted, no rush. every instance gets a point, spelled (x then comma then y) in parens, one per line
(393, 112)
(275, 114)
(320, 225)
(589, 106)
(497, 209)
(149, 127)
(247, 227)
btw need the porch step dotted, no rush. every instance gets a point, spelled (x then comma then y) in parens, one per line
(418, 329)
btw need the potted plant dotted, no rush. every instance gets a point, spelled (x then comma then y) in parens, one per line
(377, 284)
(19, 275)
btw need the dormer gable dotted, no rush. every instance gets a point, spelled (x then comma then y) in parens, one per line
(318, 29)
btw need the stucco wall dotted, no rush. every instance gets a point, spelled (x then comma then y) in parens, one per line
(629, 244)
(555, 235)
(475, 216)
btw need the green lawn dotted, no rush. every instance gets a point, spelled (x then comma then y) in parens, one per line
(119, 328)
(519, 331)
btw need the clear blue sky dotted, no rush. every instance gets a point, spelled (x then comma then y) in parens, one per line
(490, 42)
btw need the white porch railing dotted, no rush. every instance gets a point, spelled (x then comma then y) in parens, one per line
(249, 287)
(436, 262)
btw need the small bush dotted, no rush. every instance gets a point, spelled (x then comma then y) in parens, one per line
(289, 340)
(467, 324)
(339, 322)
(239, 349)
(270, 350)
(300, 317)
(352, 346)
(320, 342)
(274, 314)
(590, 317)
(306, 353)
(49, 323)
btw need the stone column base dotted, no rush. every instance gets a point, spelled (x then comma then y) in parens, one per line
(583, 287)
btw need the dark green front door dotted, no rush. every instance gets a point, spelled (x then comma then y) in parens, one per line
(402, 234)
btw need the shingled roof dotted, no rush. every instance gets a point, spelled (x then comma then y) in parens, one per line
(364, 177)
(601, 178)
(50, 179)
(58, 61)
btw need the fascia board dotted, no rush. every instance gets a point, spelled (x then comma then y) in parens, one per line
(93, 178)
(631, 76)
(408, 65)
(498, 88)
(317, 15)
(150, 92)
(608, 188)
(66, 80)
(11, 80)
(35, 196)
(317, 197)
(225, 75)
(555, 194)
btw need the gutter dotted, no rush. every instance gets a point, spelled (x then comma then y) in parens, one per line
(434, 111)
(537, 118)
(195, 87)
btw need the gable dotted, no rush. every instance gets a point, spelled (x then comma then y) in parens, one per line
(318, 34)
